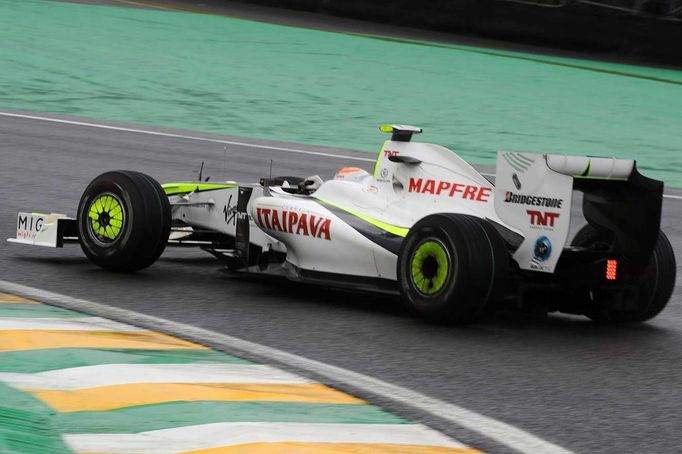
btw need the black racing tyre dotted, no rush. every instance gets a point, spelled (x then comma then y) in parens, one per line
(124, 220)
(452, 268)
(655, 285)
(592, 237)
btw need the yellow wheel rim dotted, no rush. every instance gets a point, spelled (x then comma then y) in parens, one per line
(106, 216)
(429, 267)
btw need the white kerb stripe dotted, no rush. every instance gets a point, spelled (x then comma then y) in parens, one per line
(120, 374)
(215, 435)
(505, 434)
(67, 324)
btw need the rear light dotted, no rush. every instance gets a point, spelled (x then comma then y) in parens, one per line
(611, 270)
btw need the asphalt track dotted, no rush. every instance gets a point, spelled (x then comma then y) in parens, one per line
(585, 387)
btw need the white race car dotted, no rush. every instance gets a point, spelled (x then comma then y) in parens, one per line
(424, 224)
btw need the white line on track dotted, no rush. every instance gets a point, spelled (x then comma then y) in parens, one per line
(182, 136)
(208, 139)
(670, 196)
(503, 433)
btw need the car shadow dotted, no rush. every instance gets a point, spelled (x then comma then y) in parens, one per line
(502, 320)
(386, 308)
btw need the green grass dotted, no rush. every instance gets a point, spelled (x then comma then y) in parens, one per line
(217, 74)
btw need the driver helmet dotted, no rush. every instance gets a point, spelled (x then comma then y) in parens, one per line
(350, 174)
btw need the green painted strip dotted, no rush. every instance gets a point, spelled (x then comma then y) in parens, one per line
(34, 361)
(37, 310)
(543, 104)
(26, 425)
(177, 414)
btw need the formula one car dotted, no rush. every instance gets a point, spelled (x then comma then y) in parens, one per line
(425, 224)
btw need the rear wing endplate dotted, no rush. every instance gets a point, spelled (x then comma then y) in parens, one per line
(534, 193)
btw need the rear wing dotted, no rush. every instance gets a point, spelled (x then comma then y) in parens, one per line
(534, 193)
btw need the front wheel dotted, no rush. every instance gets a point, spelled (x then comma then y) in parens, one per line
(653, 287)
(452, 267)
(124, 221)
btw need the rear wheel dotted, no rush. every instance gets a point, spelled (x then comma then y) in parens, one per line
(124, 221)
(452, 268)
(653, 287)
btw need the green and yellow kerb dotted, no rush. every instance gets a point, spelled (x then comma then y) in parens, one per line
(430, 264)
(106, 217)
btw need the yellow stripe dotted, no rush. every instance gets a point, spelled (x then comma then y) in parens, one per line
(332, 448)
(14, 299)
(399, 231)
(378, 161)
(184, 188)
(105, 398)
(15, 340)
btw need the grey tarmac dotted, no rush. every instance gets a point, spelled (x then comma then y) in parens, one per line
(586, 387)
